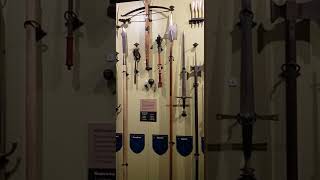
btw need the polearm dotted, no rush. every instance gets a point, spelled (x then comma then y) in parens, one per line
(315, 88)
(33, 93)
(184, 75)
(247, 116)
(291, 12)
(137, 57)
(148, 28)
(4, 154)
(72, 24)
(196, 72)
(125, 103)
(172, 35)
(160, 66)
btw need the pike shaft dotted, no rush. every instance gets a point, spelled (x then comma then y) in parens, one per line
(70, 37)
(2, 99)
(33, 96)
(160, 69)
(291, 95)
(125, 119)
(196, 116)
(171, 144)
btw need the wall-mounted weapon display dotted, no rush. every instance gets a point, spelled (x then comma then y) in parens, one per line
(292, 31)
(164, 37)
(148, 10)
(72, 23)
(197, 12)
(137, 57)
(160, 66)
(247, 116)
(184, 75)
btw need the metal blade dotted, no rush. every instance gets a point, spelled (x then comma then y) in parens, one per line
(309, 10)
(278, 33)
(277, 11)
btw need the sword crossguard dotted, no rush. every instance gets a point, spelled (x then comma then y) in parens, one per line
(274, 117)
(247, 118)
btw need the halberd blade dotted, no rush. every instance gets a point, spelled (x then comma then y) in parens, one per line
(277, 11)
(278, 33)
(309, 10)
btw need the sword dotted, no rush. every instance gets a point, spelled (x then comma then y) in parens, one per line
(247, 116)
(184, 73)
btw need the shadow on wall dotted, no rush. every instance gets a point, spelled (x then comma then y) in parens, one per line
(98, 24)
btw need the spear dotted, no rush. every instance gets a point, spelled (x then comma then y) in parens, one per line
(160, 67)
(72, 24)
(172, 35)
(125, 103)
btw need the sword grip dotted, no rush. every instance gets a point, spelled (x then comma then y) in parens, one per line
(69, 51)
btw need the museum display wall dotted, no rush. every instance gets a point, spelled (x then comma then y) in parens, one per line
(73, 99)
(148, 104)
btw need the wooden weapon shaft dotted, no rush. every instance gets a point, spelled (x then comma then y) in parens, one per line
(2, 94)
(160, 69)
(171, 143)
(33, 96)
(125, 118)
(196, 116)
(291, 93)
(70, 38)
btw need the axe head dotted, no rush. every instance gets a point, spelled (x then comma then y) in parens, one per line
(278, 33)
(309, 10)
(277, 11)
